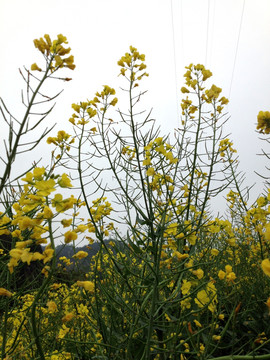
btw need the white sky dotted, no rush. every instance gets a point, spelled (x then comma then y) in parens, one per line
(171, 34)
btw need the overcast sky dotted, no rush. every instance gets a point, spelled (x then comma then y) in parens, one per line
(231, 37)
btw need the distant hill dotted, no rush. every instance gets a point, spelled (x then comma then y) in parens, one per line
(83, 264)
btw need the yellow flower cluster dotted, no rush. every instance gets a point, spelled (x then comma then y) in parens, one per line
(212, 94)
(26, 256)
(195, 77)
(87, 285)
(263, 124)
(207, 297)
(84, 111)
(226, 146)
(54, 52)
(32, 212)
(159, 152)
(100, 209)
(134, 62)
(129, 152)
(158, 147)
(61, 140)
(228, 274)
(80, 255)
(187, 108)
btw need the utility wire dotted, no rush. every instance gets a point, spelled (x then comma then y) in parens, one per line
(237, 45)
(212, 36)
(207, 33)
(182, 31)
(175, 68)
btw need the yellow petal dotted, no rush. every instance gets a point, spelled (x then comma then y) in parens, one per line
(266, 266)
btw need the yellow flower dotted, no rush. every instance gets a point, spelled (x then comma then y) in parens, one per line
(81, 228)
(63, 331)
(221, 317)
(268, 304)
(47, 254)
(16, 253)
(67, 317)
(38, 173)
(66, 222)
(263, 122)
(221, 274)
(87, 285)
(70, 236)
(214, 252)
(228, 269)
(26, 256)
(192, 239)
(45, 271)
(47, 213)
(147, 161)
(206, 74)
(114, 101)
(197, 323)
(202, 298)
(231, 276)
(150, 171)
(266, 266)
(52, 307)
(22, 244)
(45, 187)
(180, 256)
(70, 62)
(35, 67)
(64, 181)
(5, 292)
(42, 46)
(63, 205)
(184, 90)
(185, 287)
(37, 256)
(24, 222)
(208, 296)
(223, 100)
(76, 107)
(199, 273)
(212, 93)
(267, 232)
(80, 255)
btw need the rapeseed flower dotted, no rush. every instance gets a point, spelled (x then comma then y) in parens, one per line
(263, 119)
(87, 285)
(52, 307)
(64, 181)
(80, 255)
(266, 266)
(70, 236)
(5, 292)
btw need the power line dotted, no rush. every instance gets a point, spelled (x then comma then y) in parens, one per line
(207, 33)
(182, 31)
(212, 37)
(175, 68)
(237, 45)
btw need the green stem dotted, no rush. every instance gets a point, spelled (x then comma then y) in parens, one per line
(40, 292)
(12, 155)
(195, 152)
(242, 357)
